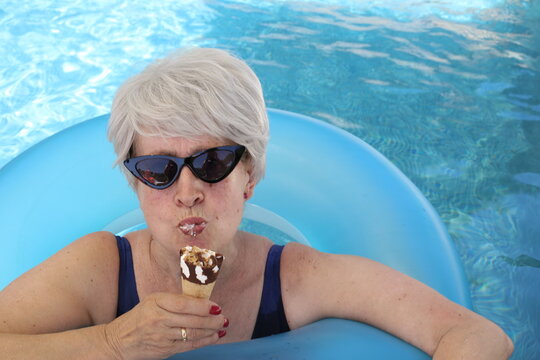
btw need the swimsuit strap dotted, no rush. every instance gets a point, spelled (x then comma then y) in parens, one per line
(271, 319)
(127, 287)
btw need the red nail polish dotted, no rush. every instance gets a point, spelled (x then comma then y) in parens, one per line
(221, 333)
(215, 310)
(226, 323)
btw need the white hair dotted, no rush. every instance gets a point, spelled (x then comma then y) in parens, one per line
(191, 93)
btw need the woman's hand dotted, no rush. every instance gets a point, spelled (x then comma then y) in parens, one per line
(153, 328)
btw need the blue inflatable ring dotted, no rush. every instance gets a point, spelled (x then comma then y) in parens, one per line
(322, 184)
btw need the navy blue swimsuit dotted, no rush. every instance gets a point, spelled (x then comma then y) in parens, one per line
(271, 318)
(127, 288)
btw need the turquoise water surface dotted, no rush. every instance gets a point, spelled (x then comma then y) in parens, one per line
(447, 90)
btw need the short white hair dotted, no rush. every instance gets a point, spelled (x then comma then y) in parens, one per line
(190, 93)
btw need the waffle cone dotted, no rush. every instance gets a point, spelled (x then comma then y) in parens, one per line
(202, 291)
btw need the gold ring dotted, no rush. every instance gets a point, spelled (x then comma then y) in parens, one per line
(183, 331)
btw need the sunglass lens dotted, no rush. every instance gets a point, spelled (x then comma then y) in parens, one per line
(215, 164)
(158, 172)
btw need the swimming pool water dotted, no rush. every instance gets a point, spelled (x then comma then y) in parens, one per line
(447, 90)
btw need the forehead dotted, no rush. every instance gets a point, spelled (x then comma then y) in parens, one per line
(175, 146)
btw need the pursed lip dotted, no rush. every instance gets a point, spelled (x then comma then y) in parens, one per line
(192, 226)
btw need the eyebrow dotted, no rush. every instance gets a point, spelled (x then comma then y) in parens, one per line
(165, 152)
(169, 153)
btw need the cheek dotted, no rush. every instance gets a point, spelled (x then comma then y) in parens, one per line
(226, 194)
(228, 200)
(152, 202)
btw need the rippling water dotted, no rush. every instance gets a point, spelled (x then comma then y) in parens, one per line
(447, 90)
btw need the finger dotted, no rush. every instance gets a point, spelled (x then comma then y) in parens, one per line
(182, 346)
(176, 334)
(211, 322)
(181, 304)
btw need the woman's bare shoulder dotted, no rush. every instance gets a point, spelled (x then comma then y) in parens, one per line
(100, 243)
(93, 256)
(297, 260)
(75, 287)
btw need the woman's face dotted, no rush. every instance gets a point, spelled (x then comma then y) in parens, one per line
(191, 211)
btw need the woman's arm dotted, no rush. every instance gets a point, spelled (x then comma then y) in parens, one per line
(318, 285)
(152, 330)
(65, 308)
(477, 339)
(87, 343)
(74, 289)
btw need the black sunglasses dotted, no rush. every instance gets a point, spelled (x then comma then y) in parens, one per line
(161, 171)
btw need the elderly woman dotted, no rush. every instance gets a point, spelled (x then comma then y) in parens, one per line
(190, 133)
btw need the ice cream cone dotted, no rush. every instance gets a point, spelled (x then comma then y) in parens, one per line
(197, 290)
(200, 268)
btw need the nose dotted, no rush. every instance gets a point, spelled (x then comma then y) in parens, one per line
(188, 189)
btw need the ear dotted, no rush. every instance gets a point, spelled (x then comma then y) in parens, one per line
(250, 186)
